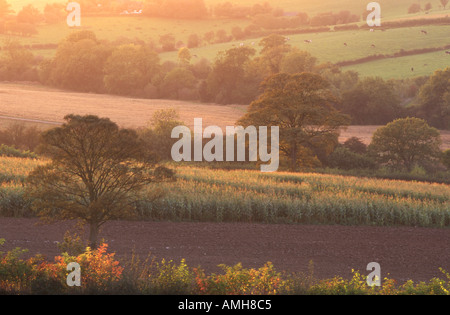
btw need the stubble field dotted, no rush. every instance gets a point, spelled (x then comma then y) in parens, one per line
(34, 104)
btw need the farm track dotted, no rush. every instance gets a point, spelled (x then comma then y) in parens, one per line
(403, 252)
(31, 120)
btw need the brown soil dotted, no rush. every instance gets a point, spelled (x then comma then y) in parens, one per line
(403, 252)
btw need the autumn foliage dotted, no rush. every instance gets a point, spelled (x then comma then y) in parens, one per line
(102, 273)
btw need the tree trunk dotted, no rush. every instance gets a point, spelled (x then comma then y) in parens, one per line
(93, 235)
(293, 158)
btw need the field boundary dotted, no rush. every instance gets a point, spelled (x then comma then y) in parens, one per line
(401, 53)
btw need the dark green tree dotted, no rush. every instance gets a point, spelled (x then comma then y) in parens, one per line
(79, 63)
(434, 99)
(129, 69)
(232, 79)
(303, 107)
(405, 143)
(372, 101)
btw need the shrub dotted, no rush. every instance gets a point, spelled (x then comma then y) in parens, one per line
(13, 152)
(446, 158)
(170, 278)
(238, 280)
(100, 274)
(355, 144)
(100, 271)
(71, 244)
(20, 137)
(346, 159)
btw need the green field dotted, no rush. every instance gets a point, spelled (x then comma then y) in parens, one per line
(399, 68)
(327, 47)
(202, 194)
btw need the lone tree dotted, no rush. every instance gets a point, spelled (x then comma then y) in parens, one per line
(97, 173)
(302, 105)
(406, 142)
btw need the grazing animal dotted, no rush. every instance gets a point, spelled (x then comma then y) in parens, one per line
(412, 69)
(424, 32)
(308, 41)
(373, 46)
(448, 52)
(345, 44)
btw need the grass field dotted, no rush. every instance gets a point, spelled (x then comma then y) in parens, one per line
(329, 47)
(401, 67)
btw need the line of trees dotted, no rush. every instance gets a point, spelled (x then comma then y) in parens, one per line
(87, 64)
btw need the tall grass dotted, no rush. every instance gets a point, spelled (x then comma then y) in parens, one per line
(202, 194)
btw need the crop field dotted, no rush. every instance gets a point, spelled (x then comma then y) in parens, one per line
(201, 194)
(249, 196)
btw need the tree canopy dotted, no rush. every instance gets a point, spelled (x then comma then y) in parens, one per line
(405, 143)
(303, 107)
(371, 101)
(434, 99)
(130, 68)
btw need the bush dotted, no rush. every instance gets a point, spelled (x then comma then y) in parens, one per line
(20, 137)
(170, 278)
(346, 159)
(355, 144)
(446, 158)
(13, 152)
(100, 270)
(238, 281)
(101, 274)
